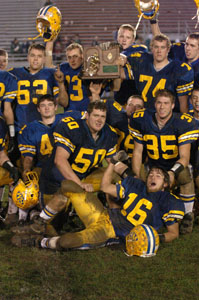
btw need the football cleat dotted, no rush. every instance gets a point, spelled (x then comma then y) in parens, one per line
(186, 225)
(39, 226)
(143, 240)
(26, 194)
(27, 240)
(90, 246)
(20, 227)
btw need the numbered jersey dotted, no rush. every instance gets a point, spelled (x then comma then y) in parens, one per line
(117, 118)
(128, 87)
(178, 52)
(77, 91)
(162, 145)
(139, 207)
(85, 153)
(176, 76)
(8, 87)
(3, 131)
(36, 140)
(30, 87)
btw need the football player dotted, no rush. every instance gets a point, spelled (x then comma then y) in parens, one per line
(36, 142)
(194, 100)
(187, 51)
(35, 139)
(34, 81)
(81, 146)
(137, 203)
(156, 71)
(8, 93)
(167, 138)
(8, 85)
(119, 118)
(9, 174)
(78, 96)
(126, 38)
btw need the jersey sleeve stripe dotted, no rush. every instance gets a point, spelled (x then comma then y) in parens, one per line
(62, 140)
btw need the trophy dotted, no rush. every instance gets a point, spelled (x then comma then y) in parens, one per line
(100, 62)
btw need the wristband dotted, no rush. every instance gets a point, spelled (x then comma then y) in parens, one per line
(153, 21)
(127, 172)
(162, 238)
(177, 168)
(11, 129)
(8, 165)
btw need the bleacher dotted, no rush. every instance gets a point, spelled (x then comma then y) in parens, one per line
(90, 18)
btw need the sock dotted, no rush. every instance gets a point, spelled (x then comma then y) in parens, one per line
(188, 202)
(23, 214)
(47, 213)
(12, 208)
(188, 207)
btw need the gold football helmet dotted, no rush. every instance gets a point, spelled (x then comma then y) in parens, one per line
(197, 13)
(26, 194)
(48, 23)
(147, 8)
(143, 240)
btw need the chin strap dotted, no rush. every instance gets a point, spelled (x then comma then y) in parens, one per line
(196, 16)
(137, 25)
(36, 37)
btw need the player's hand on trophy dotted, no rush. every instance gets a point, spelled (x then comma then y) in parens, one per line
(95, 89)
(121, 60)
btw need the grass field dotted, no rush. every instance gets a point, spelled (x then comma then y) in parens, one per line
(101, 274)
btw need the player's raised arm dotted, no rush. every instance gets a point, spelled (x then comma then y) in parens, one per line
(63, 95)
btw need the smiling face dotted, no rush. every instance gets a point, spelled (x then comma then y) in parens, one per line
(195, 100)
(164, 108)
(191, 49)
(156, 181)
(36, 59)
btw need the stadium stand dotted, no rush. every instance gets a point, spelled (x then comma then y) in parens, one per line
(90, 18)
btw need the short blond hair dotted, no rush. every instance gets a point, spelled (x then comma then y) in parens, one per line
(75, 46)
(160, 38)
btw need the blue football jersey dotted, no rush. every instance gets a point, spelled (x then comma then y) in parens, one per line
(135, 48)
(77, 91)
(178, 52)
(140, 207)
(176, 76)
(3, 131)
(36, 140)
(30, 87)
(117, 118)
(50, 178)
(8, 87)
(85, 153)
(162, 145)
(128, 87)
